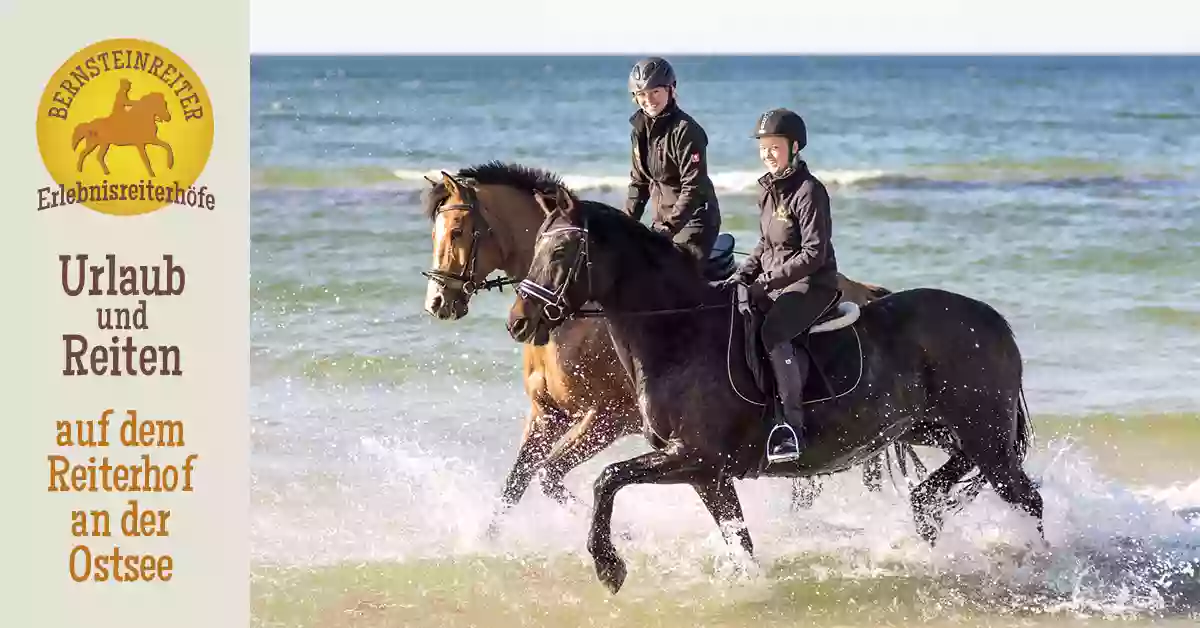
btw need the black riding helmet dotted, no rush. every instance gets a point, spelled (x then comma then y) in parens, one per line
(783, 122)
(650, 73)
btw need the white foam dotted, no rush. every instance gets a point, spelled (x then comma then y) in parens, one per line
(736, 181)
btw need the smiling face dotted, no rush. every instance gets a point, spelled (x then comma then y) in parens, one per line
(652, 101)
(461, 255)
(773, 151)
(558, 281)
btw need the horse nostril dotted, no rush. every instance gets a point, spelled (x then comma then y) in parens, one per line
(436, 302)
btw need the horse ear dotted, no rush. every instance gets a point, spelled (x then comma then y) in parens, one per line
(566, 203)
(541, 201)
(450, 183)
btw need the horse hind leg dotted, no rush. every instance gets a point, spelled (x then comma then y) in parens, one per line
(88, 149)
(102, 155)
(931, 499)
(1001, 466)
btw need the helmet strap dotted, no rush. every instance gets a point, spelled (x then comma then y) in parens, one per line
(793, 159)
(793, 154)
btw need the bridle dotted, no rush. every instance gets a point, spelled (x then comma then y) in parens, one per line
(554, 302)
(466, 281)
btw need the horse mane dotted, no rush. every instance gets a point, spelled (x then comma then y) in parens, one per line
(609, 225)
(521, 177)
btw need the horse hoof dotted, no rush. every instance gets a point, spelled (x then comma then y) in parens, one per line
(611, 572)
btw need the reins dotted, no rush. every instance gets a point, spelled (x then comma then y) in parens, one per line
(582, 313)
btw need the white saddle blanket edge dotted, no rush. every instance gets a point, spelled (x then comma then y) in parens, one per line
(849, 313)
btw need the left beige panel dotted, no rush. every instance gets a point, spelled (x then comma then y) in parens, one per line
(125, 200)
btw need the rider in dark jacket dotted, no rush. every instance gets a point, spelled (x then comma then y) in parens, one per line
(793, 266)
(670, 162)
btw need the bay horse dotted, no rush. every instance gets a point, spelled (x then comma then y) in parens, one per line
(136, 126)
(485, 219)
(929, 361)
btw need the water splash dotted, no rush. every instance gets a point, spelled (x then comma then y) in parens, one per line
(1115, 550)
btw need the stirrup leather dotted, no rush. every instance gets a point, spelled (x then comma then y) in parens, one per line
(773, 458)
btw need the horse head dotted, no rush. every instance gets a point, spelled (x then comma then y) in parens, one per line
(561, 275)
(463, 256)
(155, 105)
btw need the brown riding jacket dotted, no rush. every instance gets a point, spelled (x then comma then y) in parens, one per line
(670, 167)
(795, 249)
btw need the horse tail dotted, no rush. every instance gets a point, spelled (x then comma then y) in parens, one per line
(1024, 437)
(82, 130)
(1024, 427)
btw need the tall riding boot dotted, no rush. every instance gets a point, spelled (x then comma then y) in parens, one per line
(791, 369)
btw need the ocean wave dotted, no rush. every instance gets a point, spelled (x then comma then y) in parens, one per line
(733, 181)
(1058, 173)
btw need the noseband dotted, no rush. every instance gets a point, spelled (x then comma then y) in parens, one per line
(554, 302)
(466, 281)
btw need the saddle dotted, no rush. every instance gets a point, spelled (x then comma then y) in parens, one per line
(836, 358)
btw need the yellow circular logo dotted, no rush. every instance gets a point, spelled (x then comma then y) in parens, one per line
(125, 127)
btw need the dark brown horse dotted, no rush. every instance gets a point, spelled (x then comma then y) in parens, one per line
(928, 362)
(485, 219)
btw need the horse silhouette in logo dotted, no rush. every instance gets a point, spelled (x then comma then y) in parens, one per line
(131, 123)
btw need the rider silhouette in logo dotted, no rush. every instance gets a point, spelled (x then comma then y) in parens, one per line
(131, 123)
(122, 101)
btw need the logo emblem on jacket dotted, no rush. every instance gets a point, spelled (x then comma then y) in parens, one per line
(695, 158)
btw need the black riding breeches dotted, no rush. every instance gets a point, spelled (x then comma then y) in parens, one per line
(793, 312)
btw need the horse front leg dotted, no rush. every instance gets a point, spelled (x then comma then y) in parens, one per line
(721, 500)
(145, 158)
(170, 152)
(598, 429)
(872, 477)
(805, 491)
(543, 426)
(659, 467)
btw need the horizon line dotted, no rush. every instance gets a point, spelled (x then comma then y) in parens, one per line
(404, 53)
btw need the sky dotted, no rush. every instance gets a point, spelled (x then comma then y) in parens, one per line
(728, 26)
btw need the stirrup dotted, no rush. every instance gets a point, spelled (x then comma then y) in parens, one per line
(774, 458)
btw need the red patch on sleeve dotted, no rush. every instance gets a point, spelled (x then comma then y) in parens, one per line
(695, 158)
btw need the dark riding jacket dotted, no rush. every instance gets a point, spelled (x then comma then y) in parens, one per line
(670, 167)
(795, 249)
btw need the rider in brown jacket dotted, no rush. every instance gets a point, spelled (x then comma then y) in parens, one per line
(793, 266)
(670, 162)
